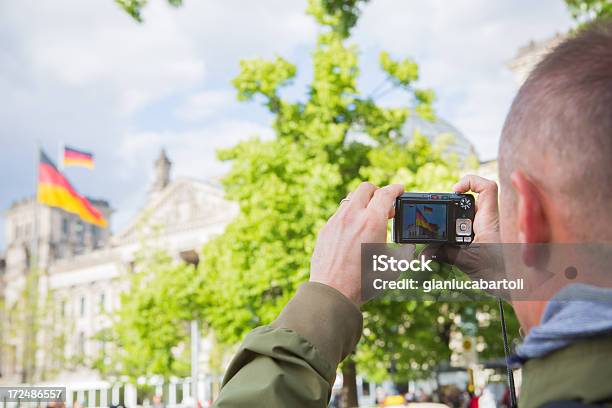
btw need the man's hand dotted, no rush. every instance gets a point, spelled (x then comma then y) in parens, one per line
(476, 261)
(486, 222)
(362, 218)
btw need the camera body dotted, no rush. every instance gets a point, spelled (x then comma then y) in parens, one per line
(422, 218)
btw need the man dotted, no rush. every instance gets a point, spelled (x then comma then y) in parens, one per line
(555, 162)
(158, 401)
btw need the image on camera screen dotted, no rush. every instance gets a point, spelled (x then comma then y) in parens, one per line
(424, 221)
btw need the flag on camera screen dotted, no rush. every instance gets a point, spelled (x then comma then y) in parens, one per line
(75, 157)
(422, 222)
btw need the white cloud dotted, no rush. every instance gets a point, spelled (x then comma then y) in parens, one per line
(192, 152)
(462, 49)
(84, 72)
(106, 52)
(96, 47)
(205, 104)
(230, 30)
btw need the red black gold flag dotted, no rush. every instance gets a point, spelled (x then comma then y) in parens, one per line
(423, 223)
(75, 157)
(56, 191)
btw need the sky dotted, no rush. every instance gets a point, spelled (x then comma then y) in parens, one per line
(85, 74)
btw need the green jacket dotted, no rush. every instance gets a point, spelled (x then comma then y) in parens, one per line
(581, 372)
(292, 362)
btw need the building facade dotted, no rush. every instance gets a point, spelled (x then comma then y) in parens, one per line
(81, 270)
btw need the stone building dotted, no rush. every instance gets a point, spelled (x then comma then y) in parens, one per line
(83, 267)
(437, 130)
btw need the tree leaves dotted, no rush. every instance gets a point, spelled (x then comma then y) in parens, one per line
(134, 7)
(587, 10)
(150, 331)
(289, 186)
(339, 15)
(258, 76)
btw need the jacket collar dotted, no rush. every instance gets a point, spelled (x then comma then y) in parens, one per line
(579, 372)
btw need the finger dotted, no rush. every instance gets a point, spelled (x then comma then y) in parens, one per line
(361, 197)
(383, 199)
(486, 189)
(477, 184)
(344, 202)
(445, 253)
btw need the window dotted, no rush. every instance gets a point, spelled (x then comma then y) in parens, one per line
(365, 388)
(82, 308)
(95, 236)
(81, 344)
(78, 237)
(80, 232)
(65, 226)
(102, 303)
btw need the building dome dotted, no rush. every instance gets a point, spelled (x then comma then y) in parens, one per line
(435, 129)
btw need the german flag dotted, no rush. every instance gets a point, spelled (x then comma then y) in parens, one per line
(422, 222)
(75, 157)
(55, 190)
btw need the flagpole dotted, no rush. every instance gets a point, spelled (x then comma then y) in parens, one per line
(60, 157)
(34, 249)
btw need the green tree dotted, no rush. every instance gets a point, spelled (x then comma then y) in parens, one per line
(53, 341)
(134, 7)
(24, 317)
(588, 10)
(32, 320)
(287, 188)
(149, 334)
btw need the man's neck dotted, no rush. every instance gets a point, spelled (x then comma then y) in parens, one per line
(529, 312)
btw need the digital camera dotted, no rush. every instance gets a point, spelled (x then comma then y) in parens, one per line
(422, 218)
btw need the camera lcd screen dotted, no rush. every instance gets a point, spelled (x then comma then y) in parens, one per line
(424, 221)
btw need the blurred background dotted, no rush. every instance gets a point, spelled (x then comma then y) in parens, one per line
(218, 138)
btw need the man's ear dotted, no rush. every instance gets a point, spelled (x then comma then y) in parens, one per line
(533, 226)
